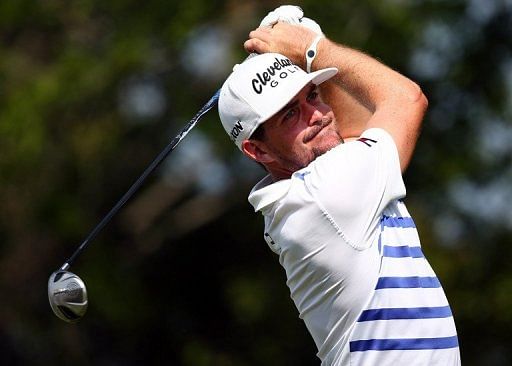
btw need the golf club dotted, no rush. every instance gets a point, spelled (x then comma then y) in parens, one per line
(66, 291)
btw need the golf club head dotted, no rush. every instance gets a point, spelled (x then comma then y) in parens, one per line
(67, 295)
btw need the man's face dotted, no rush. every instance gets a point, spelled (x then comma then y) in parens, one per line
(300, 132)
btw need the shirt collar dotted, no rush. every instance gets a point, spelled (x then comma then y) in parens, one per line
(266, 192)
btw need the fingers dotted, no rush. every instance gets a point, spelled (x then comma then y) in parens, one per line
(263, 33)
(284, 38)
(255, 45)
(259, 40)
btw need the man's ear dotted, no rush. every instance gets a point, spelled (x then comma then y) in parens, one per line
(257, 151)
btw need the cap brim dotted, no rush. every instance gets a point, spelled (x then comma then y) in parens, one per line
(319, 76)
(316, 77)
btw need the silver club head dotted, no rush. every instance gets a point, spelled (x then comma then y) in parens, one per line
(67, 295)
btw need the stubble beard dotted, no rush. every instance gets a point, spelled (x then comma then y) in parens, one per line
(302, 159)
(331, 143)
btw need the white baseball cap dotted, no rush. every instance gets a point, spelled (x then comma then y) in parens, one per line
(260, 87)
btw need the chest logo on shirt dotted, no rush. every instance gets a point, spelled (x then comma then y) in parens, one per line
(368, 142)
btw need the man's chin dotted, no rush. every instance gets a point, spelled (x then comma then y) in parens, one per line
(326, 145)
(329, 138)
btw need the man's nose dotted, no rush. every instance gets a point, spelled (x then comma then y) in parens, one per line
(315, 115)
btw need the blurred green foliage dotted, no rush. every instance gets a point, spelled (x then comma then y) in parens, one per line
(91, 91)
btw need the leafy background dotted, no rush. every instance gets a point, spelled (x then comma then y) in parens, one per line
(91, 91)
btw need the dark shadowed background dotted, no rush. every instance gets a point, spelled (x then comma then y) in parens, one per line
(91, 91)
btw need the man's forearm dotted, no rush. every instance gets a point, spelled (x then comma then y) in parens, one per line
(362, 76)
(397, 103)
(351, 116)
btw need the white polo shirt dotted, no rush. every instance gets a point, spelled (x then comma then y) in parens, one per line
(353, 259)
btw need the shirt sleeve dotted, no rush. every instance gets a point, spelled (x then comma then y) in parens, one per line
(354, 182)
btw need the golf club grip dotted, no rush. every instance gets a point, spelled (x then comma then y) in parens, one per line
(138, 183)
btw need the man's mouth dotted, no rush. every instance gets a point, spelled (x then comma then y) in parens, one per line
(315, 129)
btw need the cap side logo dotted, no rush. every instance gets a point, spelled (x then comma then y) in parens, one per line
(235, 131)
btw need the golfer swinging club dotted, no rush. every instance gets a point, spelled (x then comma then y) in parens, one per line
(332, 200)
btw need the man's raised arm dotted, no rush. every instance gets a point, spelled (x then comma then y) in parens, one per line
(396, 103)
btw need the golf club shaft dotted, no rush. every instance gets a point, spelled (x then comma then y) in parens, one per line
(156, 162)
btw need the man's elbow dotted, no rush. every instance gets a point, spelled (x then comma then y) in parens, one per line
(417, 99)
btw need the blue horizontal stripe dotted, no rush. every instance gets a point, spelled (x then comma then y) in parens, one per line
(407, 282)
(404, 222)
(403, 344)
(405, 313)
(402, 252)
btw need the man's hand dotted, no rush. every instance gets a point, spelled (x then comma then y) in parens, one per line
(286, 39)
(289, 41)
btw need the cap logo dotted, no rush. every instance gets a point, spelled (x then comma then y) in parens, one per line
(235, 131)
(270, 76)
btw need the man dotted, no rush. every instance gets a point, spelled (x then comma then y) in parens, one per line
(333, 209)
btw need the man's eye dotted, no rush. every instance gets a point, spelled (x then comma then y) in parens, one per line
(312, 96)
(291, 112)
